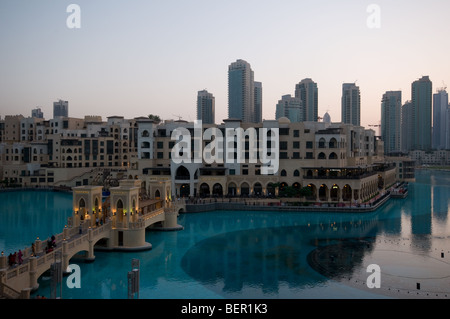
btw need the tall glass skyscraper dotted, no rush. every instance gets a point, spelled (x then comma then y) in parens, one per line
(206, 107)
(60, 108)
(391, 115)
(351, 104)
(407, 116)
(290, 107)
(307, 92)
(258, 102)
(421, 96)
(440, 119)
(242, 93)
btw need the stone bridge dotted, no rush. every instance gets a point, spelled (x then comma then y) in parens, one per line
(19, 280)
(118, 228)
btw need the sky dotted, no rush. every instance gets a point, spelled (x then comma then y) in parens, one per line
(139, 57)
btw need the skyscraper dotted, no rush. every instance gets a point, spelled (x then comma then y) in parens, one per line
(241, 92)
(421, 95)
(37, 112)
(351, 104)
(258, 102)
(307, 92)
(391, 113)
(205, 107)
(407, 119)
(290, 107)
(60, 108)
(447, 133)
(440, 118)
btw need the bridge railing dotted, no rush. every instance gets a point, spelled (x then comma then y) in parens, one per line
(9, 292)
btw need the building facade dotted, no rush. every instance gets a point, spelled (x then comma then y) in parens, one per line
(291, 108)
(37, 112)
(391, 115)
(307, 92)
(407, 126)
(421, 99)
(60, 109)
(440, 119)
(258, 102)
(244, 94)
(351, 104)
(206, 107)
(334, 162)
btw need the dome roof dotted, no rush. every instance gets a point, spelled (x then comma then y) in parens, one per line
(284, 120)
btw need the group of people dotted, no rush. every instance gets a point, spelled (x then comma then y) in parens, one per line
(51, 243)
(15, 259)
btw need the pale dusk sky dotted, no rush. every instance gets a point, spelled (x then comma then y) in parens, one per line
(140, 57)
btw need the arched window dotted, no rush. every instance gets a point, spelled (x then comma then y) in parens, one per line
(204, 190)
(333, 156)
(296, 173)
(283, 173)
(182, 173)
(232, 189)
(322, 143)
(321, 155)
(245, 189)
(333, 143)
(257, 189)
(217, 189)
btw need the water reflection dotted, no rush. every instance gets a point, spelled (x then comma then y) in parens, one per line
(339, 258)
(266, 258)
(322, 246)
(268, 254)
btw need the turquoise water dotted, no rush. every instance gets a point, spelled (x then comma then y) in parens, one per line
(279, 255)
(26, 215)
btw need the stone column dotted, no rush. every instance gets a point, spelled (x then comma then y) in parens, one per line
(191, 188)
(90, 256)
(65, 258)
(33, 269)
(3, 262)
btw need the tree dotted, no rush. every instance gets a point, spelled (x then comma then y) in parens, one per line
(155, 118)
(290, 191)
(305, 191)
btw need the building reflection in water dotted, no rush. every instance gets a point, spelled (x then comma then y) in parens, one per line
(266, 258)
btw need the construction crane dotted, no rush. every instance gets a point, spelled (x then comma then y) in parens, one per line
(377, 125)
(179, 116)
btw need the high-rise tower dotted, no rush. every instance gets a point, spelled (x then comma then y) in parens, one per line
(258, 102)
(391, 115)
(60, 108)
(351, 104)
(205, 107)
(307, 92)
(440, 118)
(421, 96)
(241, 93)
